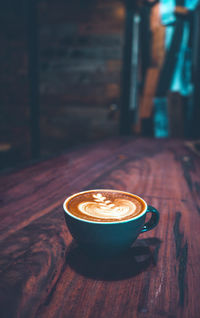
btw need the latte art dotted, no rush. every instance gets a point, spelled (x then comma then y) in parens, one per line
(105, 209)
(105, 205)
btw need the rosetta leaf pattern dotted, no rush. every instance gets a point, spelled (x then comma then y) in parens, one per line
(99, 198)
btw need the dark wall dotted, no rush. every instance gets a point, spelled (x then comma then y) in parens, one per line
(80, 65)
(80, 59)
(14, 91)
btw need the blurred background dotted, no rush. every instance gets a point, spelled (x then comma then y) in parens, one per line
(80, 71)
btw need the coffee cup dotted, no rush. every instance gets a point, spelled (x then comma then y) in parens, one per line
(106, 221)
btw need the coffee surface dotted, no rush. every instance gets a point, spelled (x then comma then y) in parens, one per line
(105, 205)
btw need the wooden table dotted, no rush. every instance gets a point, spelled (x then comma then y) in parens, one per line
(43, 272)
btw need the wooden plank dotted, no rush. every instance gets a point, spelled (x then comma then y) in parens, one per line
(146, 104)
(44, 274)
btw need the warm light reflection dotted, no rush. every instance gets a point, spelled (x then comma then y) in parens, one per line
(119, 12)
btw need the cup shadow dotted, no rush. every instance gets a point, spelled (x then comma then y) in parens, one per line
(136, 260)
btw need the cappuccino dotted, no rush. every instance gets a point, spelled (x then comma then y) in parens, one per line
(105, 205)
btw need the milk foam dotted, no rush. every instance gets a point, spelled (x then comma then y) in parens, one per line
(105, 209)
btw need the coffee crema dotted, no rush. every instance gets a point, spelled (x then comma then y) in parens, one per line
(105, 205)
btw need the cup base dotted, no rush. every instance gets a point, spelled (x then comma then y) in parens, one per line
(101, 252)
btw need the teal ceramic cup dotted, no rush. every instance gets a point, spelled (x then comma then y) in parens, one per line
(110, 237)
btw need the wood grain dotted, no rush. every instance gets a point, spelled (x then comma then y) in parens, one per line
(43, 273)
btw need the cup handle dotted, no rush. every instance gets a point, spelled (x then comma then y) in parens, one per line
(155, 215)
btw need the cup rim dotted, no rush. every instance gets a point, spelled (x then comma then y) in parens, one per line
(99, 222)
